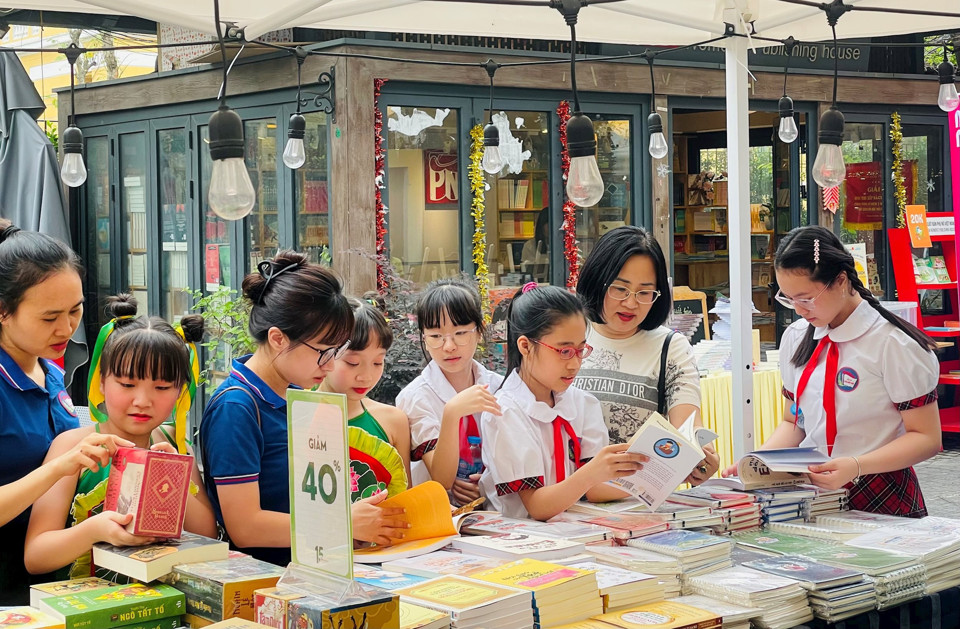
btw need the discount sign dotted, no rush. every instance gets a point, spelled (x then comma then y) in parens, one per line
(321, 534)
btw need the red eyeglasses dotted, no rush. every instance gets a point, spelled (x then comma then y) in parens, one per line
(569, 352)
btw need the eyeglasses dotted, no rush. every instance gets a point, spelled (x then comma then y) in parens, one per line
(622, 293)
(569, 352)
(331, 353)
(806, 304)
(460, 337)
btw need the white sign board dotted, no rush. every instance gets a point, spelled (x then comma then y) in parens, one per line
(321, 534)
(940, 226)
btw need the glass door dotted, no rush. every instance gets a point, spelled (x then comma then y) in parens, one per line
(615, 159)
(98, 229)
(172, 150)
(134, 193)
(312, 191)
(263, 223)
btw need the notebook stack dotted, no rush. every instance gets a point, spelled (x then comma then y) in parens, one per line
(817, 531)
(698, 553)
(783, 602)
(621, 588)
(473, 604)
(939, 554)
(859, 520)
(896, 578)
(732, 616)
(518, 545)
(484, 523)
(826, 502)
(441, 562)
(624, 526)
(561, 594)
(664, 567)
(834, 593)
(783, 504)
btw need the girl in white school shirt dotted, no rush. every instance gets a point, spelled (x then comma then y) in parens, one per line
(444, 402)
(860, 383)
(549, 447)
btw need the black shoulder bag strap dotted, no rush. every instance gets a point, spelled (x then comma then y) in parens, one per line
(662, 382)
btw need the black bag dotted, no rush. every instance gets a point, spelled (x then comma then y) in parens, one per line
(662, 382)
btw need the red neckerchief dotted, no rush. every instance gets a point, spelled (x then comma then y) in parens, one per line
(829, 385)
(468, 428)
(560, 425)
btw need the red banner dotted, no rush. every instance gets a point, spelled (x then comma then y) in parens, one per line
(863, 193)
(441, 177)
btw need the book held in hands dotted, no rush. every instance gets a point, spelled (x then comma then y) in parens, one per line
(151, 485)
(147, 563)
(772, 468)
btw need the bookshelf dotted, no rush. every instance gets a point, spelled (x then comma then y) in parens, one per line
(520, 199)
(135, 212)
(263, 222)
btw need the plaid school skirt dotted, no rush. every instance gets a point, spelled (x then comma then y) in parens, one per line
(891, 493)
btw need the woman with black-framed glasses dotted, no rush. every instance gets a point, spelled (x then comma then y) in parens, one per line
(638, 365)
(301, 321)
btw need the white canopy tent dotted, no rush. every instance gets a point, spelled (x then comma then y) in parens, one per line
(640, 22)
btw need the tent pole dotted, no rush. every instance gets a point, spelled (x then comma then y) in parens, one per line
(738, 226)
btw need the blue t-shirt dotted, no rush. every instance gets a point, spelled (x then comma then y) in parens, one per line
(30, 417)
(236, 450)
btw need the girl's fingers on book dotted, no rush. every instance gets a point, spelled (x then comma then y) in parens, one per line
(388, 511)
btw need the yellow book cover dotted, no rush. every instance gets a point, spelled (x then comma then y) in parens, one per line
(428, 511)
(28, 618)
(271, 605)
(458, 594)
(662, 615)
(589, 623)
(414, 616)
(531, 574)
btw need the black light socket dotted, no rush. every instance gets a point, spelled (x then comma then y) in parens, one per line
(72, 140)
(581, 140)
(831, 127)
(297, 127)
(226, 134)
(786, 107)
(945, 70)
(491, 135)
(654, 123)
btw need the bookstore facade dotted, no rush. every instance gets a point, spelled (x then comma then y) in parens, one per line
(144, 224)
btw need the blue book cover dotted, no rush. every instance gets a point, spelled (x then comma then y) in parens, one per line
(385, 579)
(678, 541)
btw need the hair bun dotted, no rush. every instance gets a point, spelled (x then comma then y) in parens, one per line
(122, 305)
(192, 326)
(7, 229)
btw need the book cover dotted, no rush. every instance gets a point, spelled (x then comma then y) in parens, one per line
(491, 524)
(772, 468)
(217, 590)
(28, 618)
(385, 579)
(418, 617)
(531, 575)
(153, 486)
(461, 597)
(148, 563)
(611, 580)
(678, 542)
(518, 545)
(730, 612)
(61, 588)
(272, 604)
(403, 550)
(381, 609)
(115, 605)
(940, 270)
(443, 562)
(662, 615)
(627, 525)
(806, 570)
(712, 497)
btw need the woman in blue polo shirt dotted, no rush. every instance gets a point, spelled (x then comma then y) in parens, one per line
(301, 321)
(41, 303)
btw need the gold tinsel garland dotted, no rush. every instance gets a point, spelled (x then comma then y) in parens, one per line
(477, 210)
(899, 188)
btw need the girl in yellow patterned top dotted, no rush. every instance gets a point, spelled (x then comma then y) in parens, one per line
(142, 372)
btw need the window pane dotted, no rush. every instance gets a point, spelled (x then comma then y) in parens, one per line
(313, 192)
(521, 226)
(175, 250)
(423, 192)
(133, 208)
(97, 191)
(860, 216)
(215, 230)
(261, 160)
(923, 166)
(613, 158)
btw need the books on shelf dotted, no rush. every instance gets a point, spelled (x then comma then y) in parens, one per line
(152, 486)
(147, 563)
(116, 606)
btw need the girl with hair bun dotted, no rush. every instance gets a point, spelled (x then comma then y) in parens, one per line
(301, 321)
(860, 382)
(41, 305)
(143, 372)
(549, 447)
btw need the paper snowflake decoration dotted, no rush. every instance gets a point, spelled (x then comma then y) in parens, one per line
(931, 185)
(662, 170)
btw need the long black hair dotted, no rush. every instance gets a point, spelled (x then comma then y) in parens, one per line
(534, 314)
(604, 263)
(27, 258)
(147, 347)
(796, 253)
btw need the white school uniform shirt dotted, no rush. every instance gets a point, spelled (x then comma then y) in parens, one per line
(881, 372)
(518, 445)
(423, 401)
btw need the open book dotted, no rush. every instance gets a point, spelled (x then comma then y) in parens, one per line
(772, 468)
(673, 454)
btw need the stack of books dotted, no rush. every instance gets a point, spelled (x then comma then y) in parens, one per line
(621, 588)
(363, 606)
(818, 531)
(783, 601)
(665, 614)
(624, 526)
(148, 563)
(518, 545)
(473, 604)
(834, 593)
(442, 562)
(60, 588)
(485, 523)
(665, 567)
(826, 502)
(698, 553)
(738, 510)
(118, 606)
(732, 616)
(939, 554)
(859, 520)
(783, 504)
(417, 617)
(561, 594)
(28, 618)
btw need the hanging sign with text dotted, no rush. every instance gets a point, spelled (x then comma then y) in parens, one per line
(441, 177)
(321, 534)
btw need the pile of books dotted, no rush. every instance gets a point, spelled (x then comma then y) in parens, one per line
(783, 602)
(442, 562)
(665, 567)
(486, 523)
(561, 594)
(834, 593)
(118, 606)
(417, 617)
(739, 510)
(667, 614)
(621, 588)
(938, 554)
(698, 553)
(624, 526)
(519, 545)
(473, 604)
(783, 504)
(825, 503)
(732, 616)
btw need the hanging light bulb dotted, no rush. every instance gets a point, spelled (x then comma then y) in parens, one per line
(828, 169)
(294, 154)
(788, 131)
(231, 194)
(584, 183)
(658, 143)
(73, 172)
(948, 99)
(492, 161)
